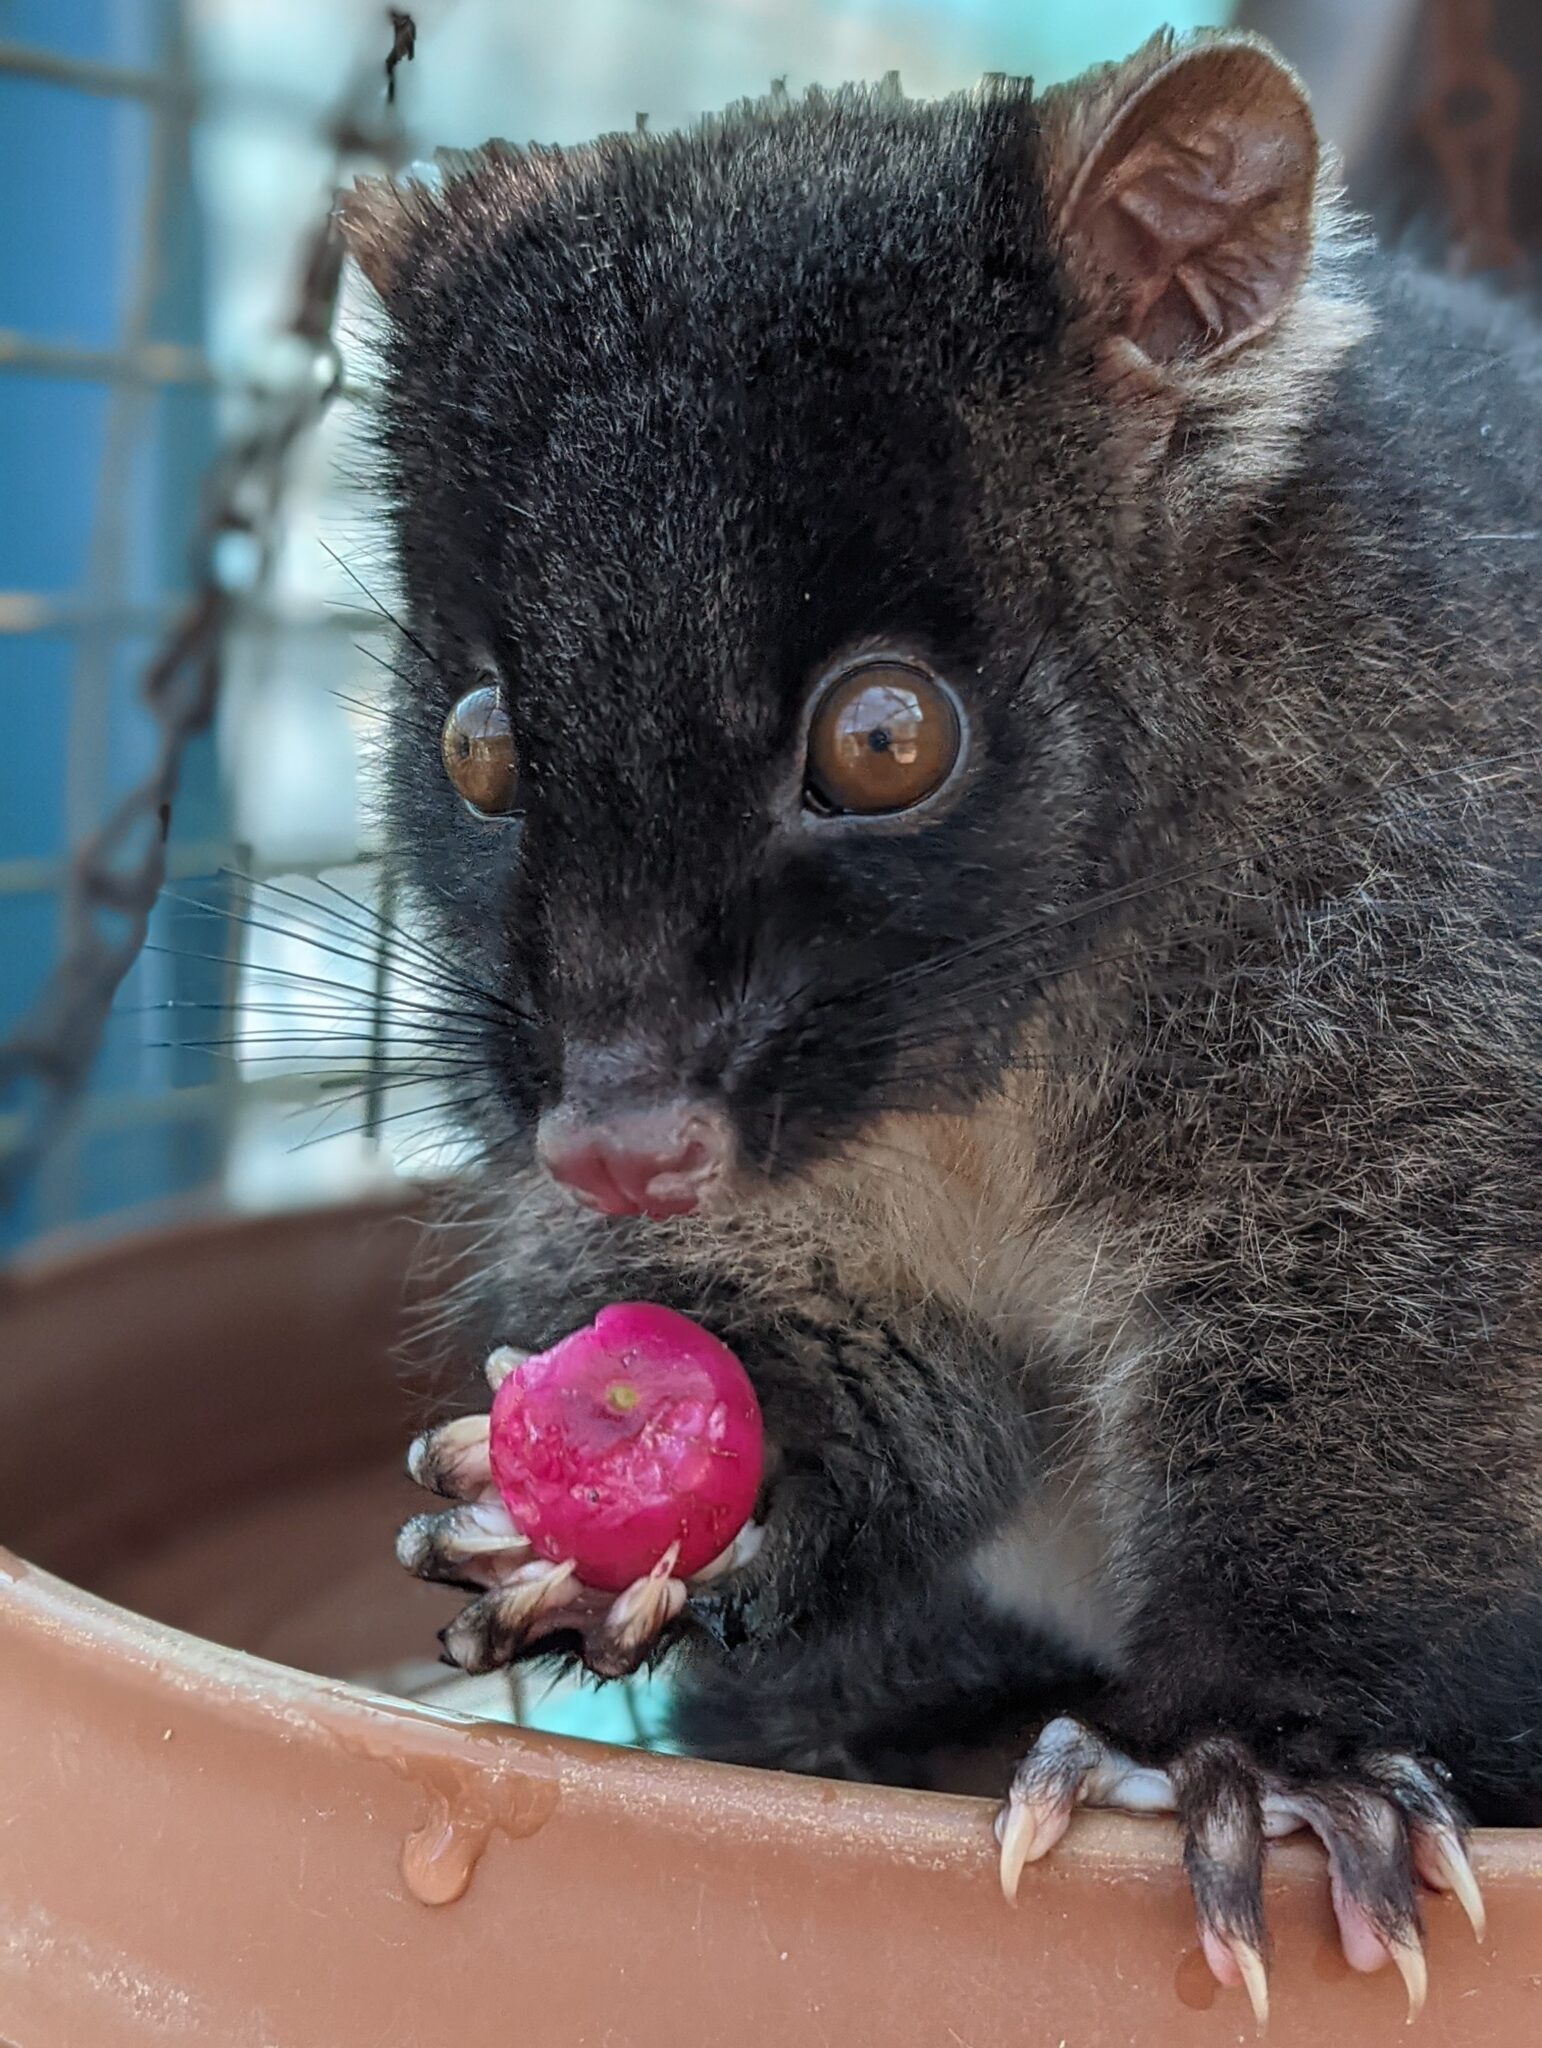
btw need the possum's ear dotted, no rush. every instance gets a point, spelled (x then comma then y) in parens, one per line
(436, 210)
(1181, 190)
(377, 220)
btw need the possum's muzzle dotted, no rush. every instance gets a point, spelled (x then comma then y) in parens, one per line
(623, 1150)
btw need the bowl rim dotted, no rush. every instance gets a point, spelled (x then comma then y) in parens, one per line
(115, 1648)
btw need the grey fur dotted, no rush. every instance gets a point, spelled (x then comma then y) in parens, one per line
(1163, 1125)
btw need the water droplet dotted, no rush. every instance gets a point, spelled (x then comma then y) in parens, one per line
(439, 1857)
(469, 1799)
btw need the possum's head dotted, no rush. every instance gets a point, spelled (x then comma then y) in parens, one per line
(771, 505)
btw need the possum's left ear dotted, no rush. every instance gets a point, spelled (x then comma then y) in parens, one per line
(438, 210)
(377, 220)
(1181, 189)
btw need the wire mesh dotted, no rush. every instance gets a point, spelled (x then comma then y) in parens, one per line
(109, 881)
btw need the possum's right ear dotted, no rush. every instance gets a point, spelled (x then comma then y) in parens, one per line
(1181, 190)
(377, 220)
(1198, 235)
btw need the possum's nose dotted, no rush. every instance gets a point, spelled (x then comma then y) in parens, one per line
(644, 1162)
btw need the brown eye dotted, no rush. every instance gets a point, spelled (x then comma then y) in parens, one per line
(884, 737)
(478, 750)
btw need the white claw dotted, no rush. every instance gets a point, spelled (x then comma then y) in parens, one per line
(1443, 1864)
(536, 1593)
(1408, 1956)
(454, 1453)
(745, 1546)
(647, 1606)
(1017, 1831)
(1068, 1766)
(490, 1516)
(476, 1532)
(1230, 1953)
(1464, 1887)
(1255, 1978)
(482, 1529)
(501, 1363)
(536, 1588)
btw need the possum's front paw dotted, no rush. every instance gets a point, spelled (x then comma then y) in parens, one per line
(1387, 1824)
(523, 1602)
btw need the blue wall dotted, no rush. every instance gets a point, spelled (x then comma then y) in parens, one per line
(74, 168)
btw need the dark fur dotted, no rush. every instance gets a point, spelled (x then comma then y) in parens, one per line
(1233, 921)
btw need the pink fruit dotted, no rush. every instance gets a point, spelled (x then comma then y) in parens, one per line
(636, 1433)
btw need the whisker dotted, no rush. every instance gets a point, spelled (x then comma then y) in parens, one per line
(372, 1125)
(948, 961)
(339, 1031)
(398, 1074)
(418, 946)
(401, 1005)
(390, 617)
(370, 922)
(424, 968)
(317, 937)
(408, 707)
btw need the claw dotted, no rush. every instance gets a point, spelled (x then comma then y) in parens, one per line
(635, 1618)
(1408, 1956)
(414, 1544)
(642, 1610)
(1382, 1824)
(1442, 1862)
(501, 1363)
(1067, 1765)
(537, 1588)
(1017, 1831)
(744, 1547)
(491, 1629)
(1256, 1979)
(452, 1460)
(708, 1611)
(476, 1533)
(1235, 1961)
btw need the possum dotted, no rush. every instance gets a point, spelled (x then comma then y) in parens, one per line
(966, 746)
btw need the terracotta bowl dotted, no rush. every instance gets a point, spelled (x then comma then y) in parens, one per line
(204, 1842)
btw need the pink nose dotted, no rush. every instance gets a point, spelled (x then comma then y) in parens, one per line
(648, 1162)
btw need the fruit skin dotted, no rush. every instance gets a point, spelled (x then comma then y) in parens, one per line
(633, 1434)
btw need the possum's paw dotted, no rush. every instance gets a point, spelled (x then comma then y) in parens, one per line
(525, 1602)
(1386, 1825)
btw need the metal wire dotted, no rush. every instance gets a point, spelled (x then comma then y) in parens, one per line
(116, 869)
(151, 363)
